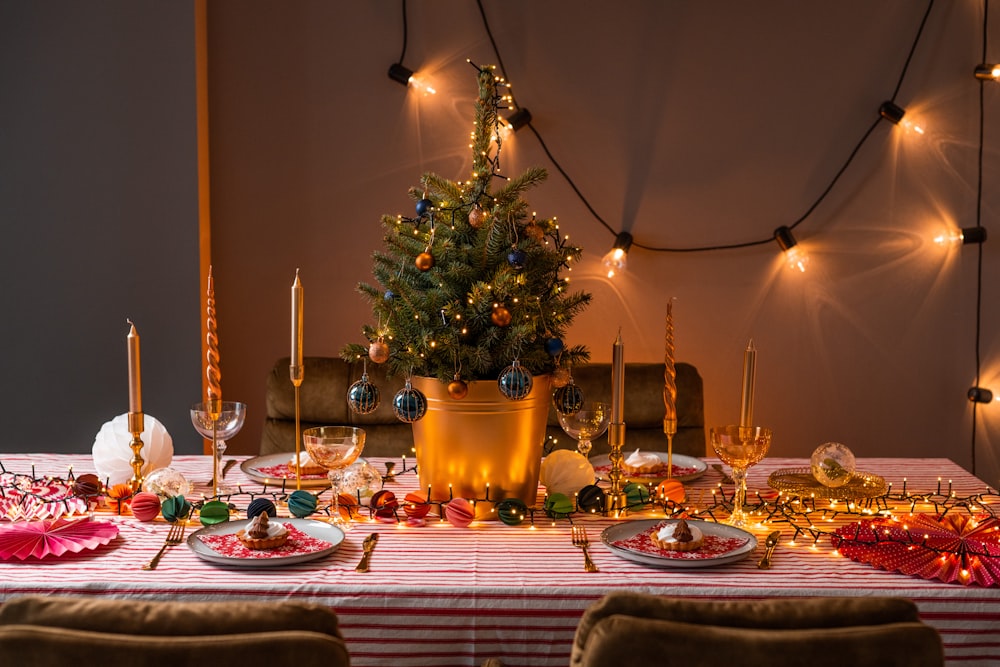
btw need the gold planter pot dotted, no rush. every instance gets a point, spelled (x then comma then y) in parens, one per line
(482, 444)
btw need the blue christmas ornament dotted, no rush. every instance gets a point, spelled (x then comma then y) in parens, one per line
(261, 505)
(409, 404)
(389, 295)
(568, 399)
(517, 258)
(363, 396)
(424, 207)
(515, 382)
(554, 346)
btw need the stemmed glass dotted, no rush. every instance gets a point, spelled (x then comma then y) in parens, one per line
(740, 447)
(335, 448)
(587, 423)
(224, 426)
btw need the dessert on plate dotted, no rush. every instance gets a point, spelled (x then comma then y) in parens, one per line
(306, 465)
(644, 463)
(260, 533)
(677, 536)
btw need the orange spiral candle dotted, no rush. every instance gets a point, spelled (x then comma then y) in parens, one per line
(213, 375)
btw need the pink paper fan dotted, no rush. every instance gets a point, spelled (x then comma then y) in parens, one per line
(954, 548)
(39, 539)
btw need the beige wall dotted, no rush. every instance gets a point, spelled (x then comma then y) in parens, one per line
(683, 123)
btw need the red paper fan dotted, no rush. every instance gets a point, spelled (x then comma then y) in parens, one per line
(39, 539)
(954, 548)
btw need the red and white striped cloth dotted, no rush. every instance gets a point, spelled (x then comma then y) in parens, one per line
(441, 596)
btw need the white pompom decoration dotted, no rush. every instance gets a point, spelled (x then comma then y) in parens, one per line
(113, 456)
(566, 471)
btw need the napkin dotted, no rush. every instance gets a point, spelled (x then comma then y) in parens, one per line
(113, 455)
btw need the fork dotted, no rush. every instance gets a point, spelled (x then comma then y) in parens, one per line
(174, 537)
(580, 540)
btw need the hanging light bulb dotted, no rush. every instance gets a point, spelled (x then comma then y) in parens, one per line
(405, 76)
(615, 260)
(796, 257)
(988, 72)
(980, 395)
(894, 113)
(518, 119)
(965, 236)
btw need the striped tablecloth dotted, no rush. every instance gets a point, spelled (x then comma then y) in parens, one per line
(440, 595)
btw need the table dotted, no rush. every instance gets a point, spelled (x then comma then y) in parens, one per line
(440, 595)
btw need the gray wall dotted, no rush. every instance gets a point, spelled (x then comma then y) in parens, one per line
(98, 203)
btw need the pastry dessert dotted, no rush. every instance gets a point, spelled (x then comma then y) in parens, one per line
(639, 463)
(677, 536)
(260, 533)
(306, 465)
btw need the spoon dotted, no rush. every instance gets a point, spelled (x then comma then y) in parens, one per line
(770, 543)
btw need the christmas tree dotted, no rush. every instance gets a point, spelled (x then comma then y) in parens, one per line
(472, 284)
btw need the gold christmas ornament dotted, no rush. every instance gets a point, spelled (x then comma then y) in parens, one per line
(533, 231)
(425, 261)
(477, 216)
(458, 389)
(378, 352)
(560, 377)
(500, 316)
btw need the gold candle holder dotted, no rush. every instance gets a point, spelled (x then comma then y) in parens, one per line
(136, 425)
(616, 499)
(297, 373)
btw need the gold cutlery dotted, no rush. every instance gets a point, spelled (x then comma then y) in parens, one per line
(580, 540)
(174, 537)
(770, 543)
(369, 546)
(725, 476)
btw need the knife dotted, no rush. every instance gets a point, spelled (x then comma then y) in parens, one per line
(369, 547)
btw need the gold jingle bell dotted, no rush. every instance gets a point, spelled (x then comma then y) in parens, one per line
(500, 316)
(425, 261)
(378, 352)
(458, 389)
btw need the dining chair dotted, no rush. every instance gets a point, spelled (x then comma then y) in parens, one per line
(819, 632)
(45, 631)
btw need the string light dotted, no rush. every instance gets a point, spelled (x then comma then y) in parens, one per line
(518, 119)
(965, 236)
(987, 72)
(794, 255)
(614, 261)
(980, 395)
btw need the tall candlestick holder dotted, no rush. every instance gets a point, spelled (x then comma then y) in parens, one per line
(136, 425)
(616, 499)
(297, 373)
(670, 430)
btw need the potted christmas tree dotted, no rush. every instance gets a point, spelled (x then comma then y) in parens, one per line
(472, 308)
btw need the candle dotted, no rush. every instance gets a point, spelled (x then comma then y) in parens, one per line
(134, 377)
(297, 320)
(617, 380)
(213, 375)
(669, 373)
(749, 373)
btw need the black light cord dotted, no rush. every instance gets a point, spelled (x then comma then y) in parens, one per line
(402, 53)
(979, 223)
(705, 248)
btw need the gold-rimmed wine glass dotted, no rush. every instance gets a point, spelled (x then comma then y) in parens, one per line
(335, 448)
(740, 447)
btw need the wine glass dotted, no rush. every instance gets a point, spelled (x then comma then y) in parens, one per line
(587, 423)
(335, 448)
(740, 447)
(218, 428)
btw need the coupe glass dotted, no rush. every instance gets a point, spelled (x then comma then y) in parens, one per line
(335, 448)
(740, 447)
(227, 424)
(587, 423)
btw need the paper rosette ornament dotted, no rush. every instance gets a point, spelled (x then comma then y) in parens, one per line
(566, 471)
(113, 456)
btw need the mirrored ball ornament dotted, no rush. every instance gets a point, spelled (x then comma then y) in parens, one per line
(568, 399)
(166, 482)
(409, 404)
(515, 382)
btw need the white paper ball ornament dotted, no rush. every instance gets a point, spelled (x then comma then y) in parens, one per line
(113, 455)
(566, 471)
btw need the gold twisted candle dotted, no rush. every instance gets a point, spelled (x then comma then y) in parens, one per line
(213, 375)
(669, 388)
(136, 422)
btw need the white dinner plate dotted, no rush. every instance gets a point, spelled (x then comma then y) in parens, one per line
(680, 460)
(319, 530)
(744, 544)
(256, 469)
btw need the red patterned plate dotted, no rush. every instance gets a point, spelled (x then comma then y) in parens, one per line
(307, 540)
(723, 544)
(38, 539)
(955, 548)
